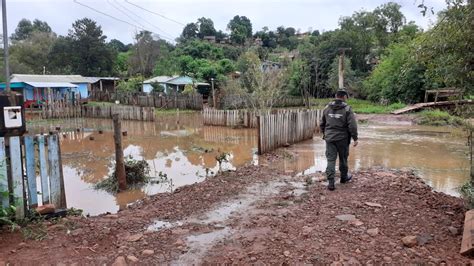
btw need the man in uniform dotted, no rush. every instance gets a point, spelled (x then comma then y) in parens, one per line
(338, 126)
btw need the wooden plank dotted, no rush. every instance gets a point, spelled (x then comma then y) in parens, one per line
(54, 174)
(31, 171)
(4, 197)
(43, 170)
(467, 247)
(17, 176)
(430, 104)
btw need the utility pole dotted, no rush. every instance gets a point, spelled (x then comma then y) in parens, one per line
(213, 94)
(342, 53)
(5, 47)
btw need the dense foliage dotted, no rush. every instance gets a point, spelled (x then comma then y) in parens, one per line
(387, 59)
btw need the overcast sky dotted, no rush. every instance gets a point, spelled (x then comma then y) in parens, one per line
(300, 14)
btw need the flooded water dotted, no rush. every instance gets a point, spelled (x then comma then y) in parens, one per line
(438, 155)
(185, 151)
(177, 146)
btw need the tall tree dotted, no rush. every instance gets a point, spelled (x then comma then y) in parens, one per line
(206, 27)
(190, 31)
(33, 52)
(25, 28)
(118, 46)
(145, 53)
(90, 54)
(240, 29)
(61, 56)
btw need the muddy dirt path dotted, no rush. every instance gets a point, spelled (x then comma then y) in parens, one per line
(257, 214)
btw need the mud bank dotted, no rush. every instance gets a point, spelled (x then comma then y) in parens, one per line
(258, 214)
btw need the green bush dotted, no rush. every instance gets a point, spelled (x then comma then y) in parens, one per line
(133, 84)
(439, 118)
(137, 174)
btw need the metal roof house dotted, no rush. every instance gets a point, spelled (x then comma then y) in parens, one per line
(35, 87)
(107, 84)
(175, 83)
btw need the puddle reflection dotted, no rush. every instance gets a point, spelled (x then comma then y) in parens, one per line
(181, 148)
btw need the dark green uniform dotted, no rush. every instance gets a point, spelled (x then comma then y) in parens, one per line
(338, 126)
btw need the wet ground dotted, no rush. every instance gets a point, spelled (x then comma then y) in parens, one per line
(185, 151)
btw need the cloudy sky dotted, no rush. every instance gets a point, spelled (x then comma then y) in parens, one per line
(170, 15)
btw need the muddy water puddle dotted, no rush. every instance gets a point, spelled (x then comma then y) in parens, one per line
(181, 151)
(438, 155)
(178, 149)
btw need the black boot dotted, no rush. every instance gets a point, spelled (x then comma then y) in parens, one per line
(331, 185)
(346, 179)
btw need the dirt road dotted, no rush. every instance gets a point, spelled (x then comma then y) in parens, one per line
(260, 215)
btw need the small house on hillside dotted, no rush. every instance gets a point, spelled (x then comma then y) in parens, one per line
(268, 66)
(174, 84)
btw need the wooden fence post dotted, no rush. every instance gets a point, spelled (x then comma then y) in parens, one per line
(119, 163)
(259, 136)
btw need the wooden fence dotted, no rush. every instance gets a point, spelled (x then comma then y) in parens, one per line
(64, 110)
(125, 112)
(230, 118)
(21, 158)
(182, 101)
(61, 109)
(243, 101)
(284, 128)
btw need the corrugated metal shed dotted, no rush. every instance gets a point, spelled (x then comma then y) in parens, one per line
(159, 79)
(49, 78)
(97, 79)
(51, 84)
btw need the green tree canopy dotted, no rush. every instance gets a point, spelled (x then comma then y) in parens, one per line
(240, 28)
(190, 31)
(89, 53)
(26, 28)
(206, 27)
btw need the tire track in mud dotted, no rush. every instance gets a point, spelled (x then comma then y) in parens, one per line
(224, 218)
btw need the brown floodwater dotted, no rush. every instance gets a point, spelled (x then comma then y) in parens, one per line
(438, 155)
(184, 150)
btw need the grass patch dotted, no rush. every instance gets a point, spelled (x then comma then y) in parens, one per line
(92, 103)
(136, 172)
(439, 118)
(362, 106)
(159, 111)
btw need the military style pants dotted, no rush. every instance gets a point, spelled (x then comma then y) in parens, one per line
(333, 149)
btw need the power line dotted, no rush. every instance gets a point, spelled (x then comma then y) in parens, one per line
(158, 14)
(151, 24)
(112, 17)
(125, 13)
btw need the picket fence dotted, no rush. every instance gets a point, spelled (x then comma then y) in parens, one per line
(61, 109)
(243, 101)
(183, 101)
(125, 112)
(231, 118)
(285, 128)
(64, 110)
(21, 158)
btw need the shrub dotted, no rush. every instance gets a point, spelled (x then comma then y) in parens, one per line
(137, 174)
(439, 118)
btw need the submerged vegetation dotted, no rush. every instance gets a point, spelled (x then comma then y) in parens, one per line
(137, 174)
